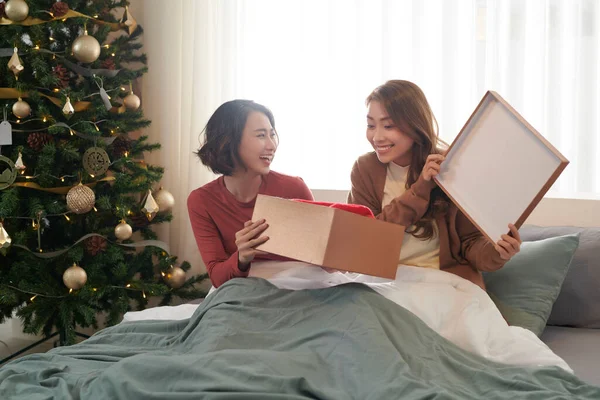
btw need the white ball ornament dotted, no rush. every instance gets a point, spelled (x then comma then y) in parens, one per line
(123, 231)
(86, 48)
(165, 200)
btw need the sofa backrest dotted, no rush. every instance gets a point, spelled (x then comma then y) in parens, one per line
(578, 303)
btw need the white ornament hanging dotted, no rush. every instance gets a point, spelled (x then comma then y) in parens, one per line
(19, 163)
(129, 21)
(150, 207)
(5, 239)
(5, 130)
(15, 64)
(105, 99)
(103, 94)
(68, 108)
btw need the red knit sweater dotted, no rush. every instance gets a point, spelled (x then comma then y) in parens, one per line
(216, 215)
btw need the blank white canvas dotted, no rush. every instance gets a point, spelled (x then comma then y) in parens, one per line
(496, 168)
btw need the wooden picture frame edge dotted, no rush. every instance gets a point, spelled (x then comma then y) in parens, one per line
(563, 162)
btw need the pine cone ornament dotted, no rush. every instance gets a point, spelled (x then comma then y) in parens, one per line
(61, 73)
(95, 245)
(108, 63)
(38, 140)
(120, 147)
(139, 220)
(59, 9)
(105, 12)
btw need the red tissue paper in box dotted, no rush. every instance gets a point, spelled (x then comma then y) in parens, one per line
(353, 208)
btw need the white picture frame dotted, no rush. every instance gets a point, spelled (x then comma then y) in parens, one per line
(499, 167)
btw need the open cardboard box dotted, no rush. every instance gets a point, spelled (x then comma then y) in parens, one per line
(329, 237)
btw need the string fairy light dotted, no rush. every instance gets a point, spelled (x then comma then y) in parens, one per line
(108, 140)
(39, 216)
(25, 121)
(35, 295)
(61, 178)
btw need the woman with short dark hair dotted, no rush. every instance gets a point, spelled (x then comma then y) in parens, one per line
(240, 143)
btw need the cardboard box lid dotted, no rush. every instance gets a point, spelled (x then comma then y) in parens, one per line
(296, 230)
(329, 237)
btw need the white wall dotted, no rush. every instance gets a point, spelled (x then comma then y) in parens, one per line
(13, 329)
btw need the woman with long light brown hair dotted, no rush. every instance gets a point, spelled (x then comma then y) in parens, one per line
(396, 182)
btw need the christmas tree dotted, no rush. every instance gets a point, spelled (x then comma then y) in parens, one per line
(77, 200)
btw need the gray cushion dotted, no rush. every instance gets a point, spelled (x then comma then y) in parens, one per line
(578, 303)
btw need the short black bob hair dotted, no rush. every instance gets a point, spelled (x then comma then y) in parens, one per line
(223, 134)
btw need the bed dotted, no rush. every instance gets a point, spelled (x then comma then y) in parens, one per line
(297, 332)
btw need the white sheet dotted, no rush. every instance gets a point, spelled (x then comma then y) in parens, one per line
(455, 308)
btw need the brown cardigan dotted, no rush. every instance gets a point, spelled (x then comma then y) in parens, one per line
(464, 251)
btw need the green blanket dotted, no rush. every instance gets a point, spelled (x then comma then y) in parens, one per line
(251, 340)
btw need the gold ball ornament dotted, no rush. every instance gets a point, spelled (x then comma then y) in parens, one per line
(165, 200)
(175, 277)
(132, 102)
(80, 199)
(86, 48)
(16, 10)
(21, 109)
(74, 277)
(123, 231)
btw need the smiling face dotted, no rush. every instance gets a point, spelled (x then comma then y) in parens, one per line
(258, 144)
(388, 140)
(402, 129)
